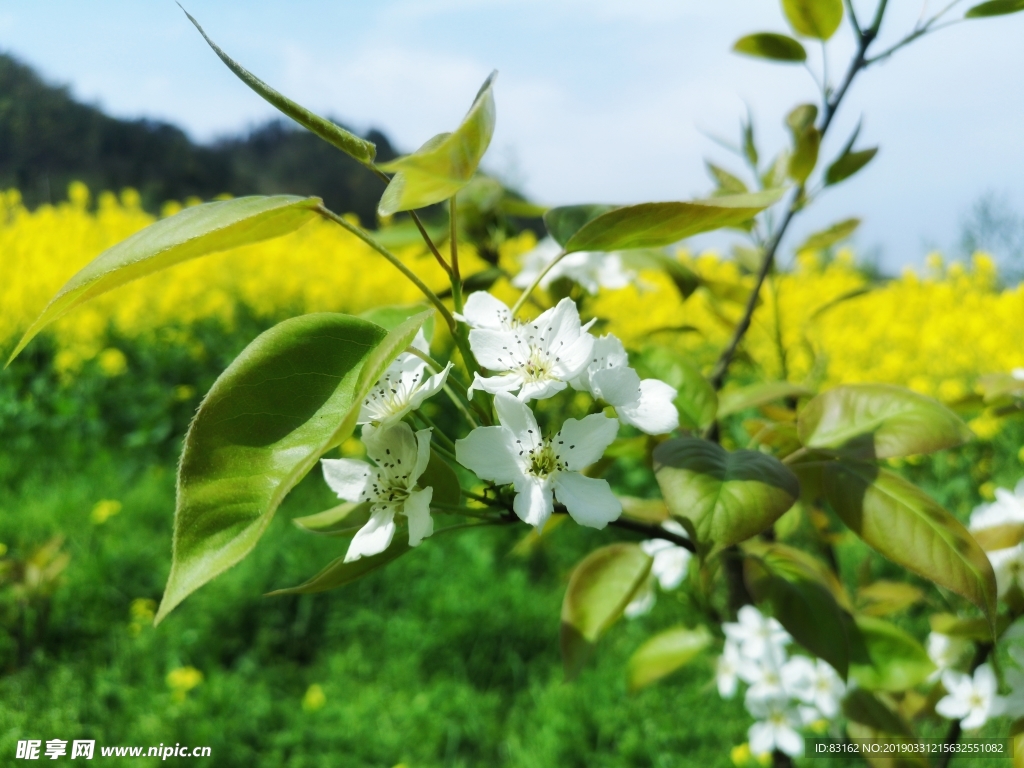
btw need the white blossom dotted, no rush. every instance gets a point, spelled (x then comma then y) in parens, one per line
(971, 700)
(757, 636)
(1008, 507)
(945, 651)
(729, 670)
(1008, 565)
(1014, 706)
(776, 728)
(593, 270)
(541, 468)
(814, 682)
(390, 486)
(764, 676)
(535, 359)
(483, 310)
(668, 569)
(403, 388)
(647, 405)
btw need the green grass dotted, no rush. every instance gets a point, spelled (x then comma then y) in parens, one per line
(449, 657)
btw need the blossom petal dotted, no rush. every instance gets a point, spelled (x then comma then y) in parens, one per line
(533, 501)
(571, 359)
(642, 603)
(762, 738)
(654, 412)
(422, 455)
(483, 310)
(394, 450)
(789, 741)
(539, 390)
(491, 454)
(670, 566)
(347, 477)
(579, 443)
(429, 388)
(496, 350)
(417, 510)
(374, 537)
(590, 501)
(517, 417)
(508, 382)
(618, 386)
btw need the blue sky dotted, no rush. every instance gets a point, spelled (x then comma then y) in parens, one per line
(598, 100)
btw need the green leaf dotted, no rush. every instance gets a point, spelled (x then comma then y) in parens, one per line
(806, 142)
(653, 225)
(338, 573)
(769, 45)
(749, 145)
(994, 8)
(883, 598)
(565, 221)
(885, 658)
(826, 238)
(756, 395)
(445, 164)
(442, 478)
(903, 523)
(665, 653)
(806, 609)
(194, 232)
(391, 317)
(848, 164)
(728, 184)
(600, 588)
(814, 18)
(865, 708)
(353, 146)
(696, 400)
(841, 298)
(342, 520)
(292, 395)
(878, 421)
(726, 497)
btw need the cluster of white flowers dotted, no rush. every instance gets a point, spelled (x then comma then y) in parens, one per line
(1007, 509)
(590, 269)
(785, 693)
(526, 360)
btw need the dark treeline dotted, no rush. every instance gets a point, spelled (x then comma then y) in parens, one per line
(47, 139)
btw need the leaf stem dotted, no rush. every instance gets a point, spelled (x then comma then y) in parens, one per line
(532, 286)
(449, 446)
(395, 261)
(453, 248)
(419, 224)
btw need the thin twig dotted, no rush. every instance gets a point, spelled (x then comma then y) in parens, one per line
(453, 247)
(532, 287)
(395, 261)
(653, 532)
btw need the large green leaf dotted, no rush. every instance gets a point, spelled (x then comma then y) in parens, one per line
(726, 497)
(565, 221)
(878, 421)
(293, 394)
(814, 18)
(600, 588)
(885, 658)
(194, 232)
(653, 225)
(865, 708)
(995, 8)
(756, 395)
(665, 653)
(769, 45)
(802, 605)
(727, 183)
(360, 149)
(696, 400)
(445, 164)
(906, 525)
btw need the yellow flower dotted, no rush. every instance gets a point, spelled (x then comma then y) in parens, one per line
(740, 755)
(314, 698)
(104, 510)
(182, 680)
(987, 491)
(112, 362)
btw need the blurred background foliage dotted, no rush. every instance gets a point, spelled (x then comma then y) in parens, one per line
(451, 659)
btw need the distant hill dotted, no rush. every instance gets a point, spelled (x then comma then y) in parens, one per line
(48, 139)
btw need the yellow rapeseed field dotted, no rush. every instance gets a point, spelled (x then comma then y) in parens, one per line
(935, 332)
